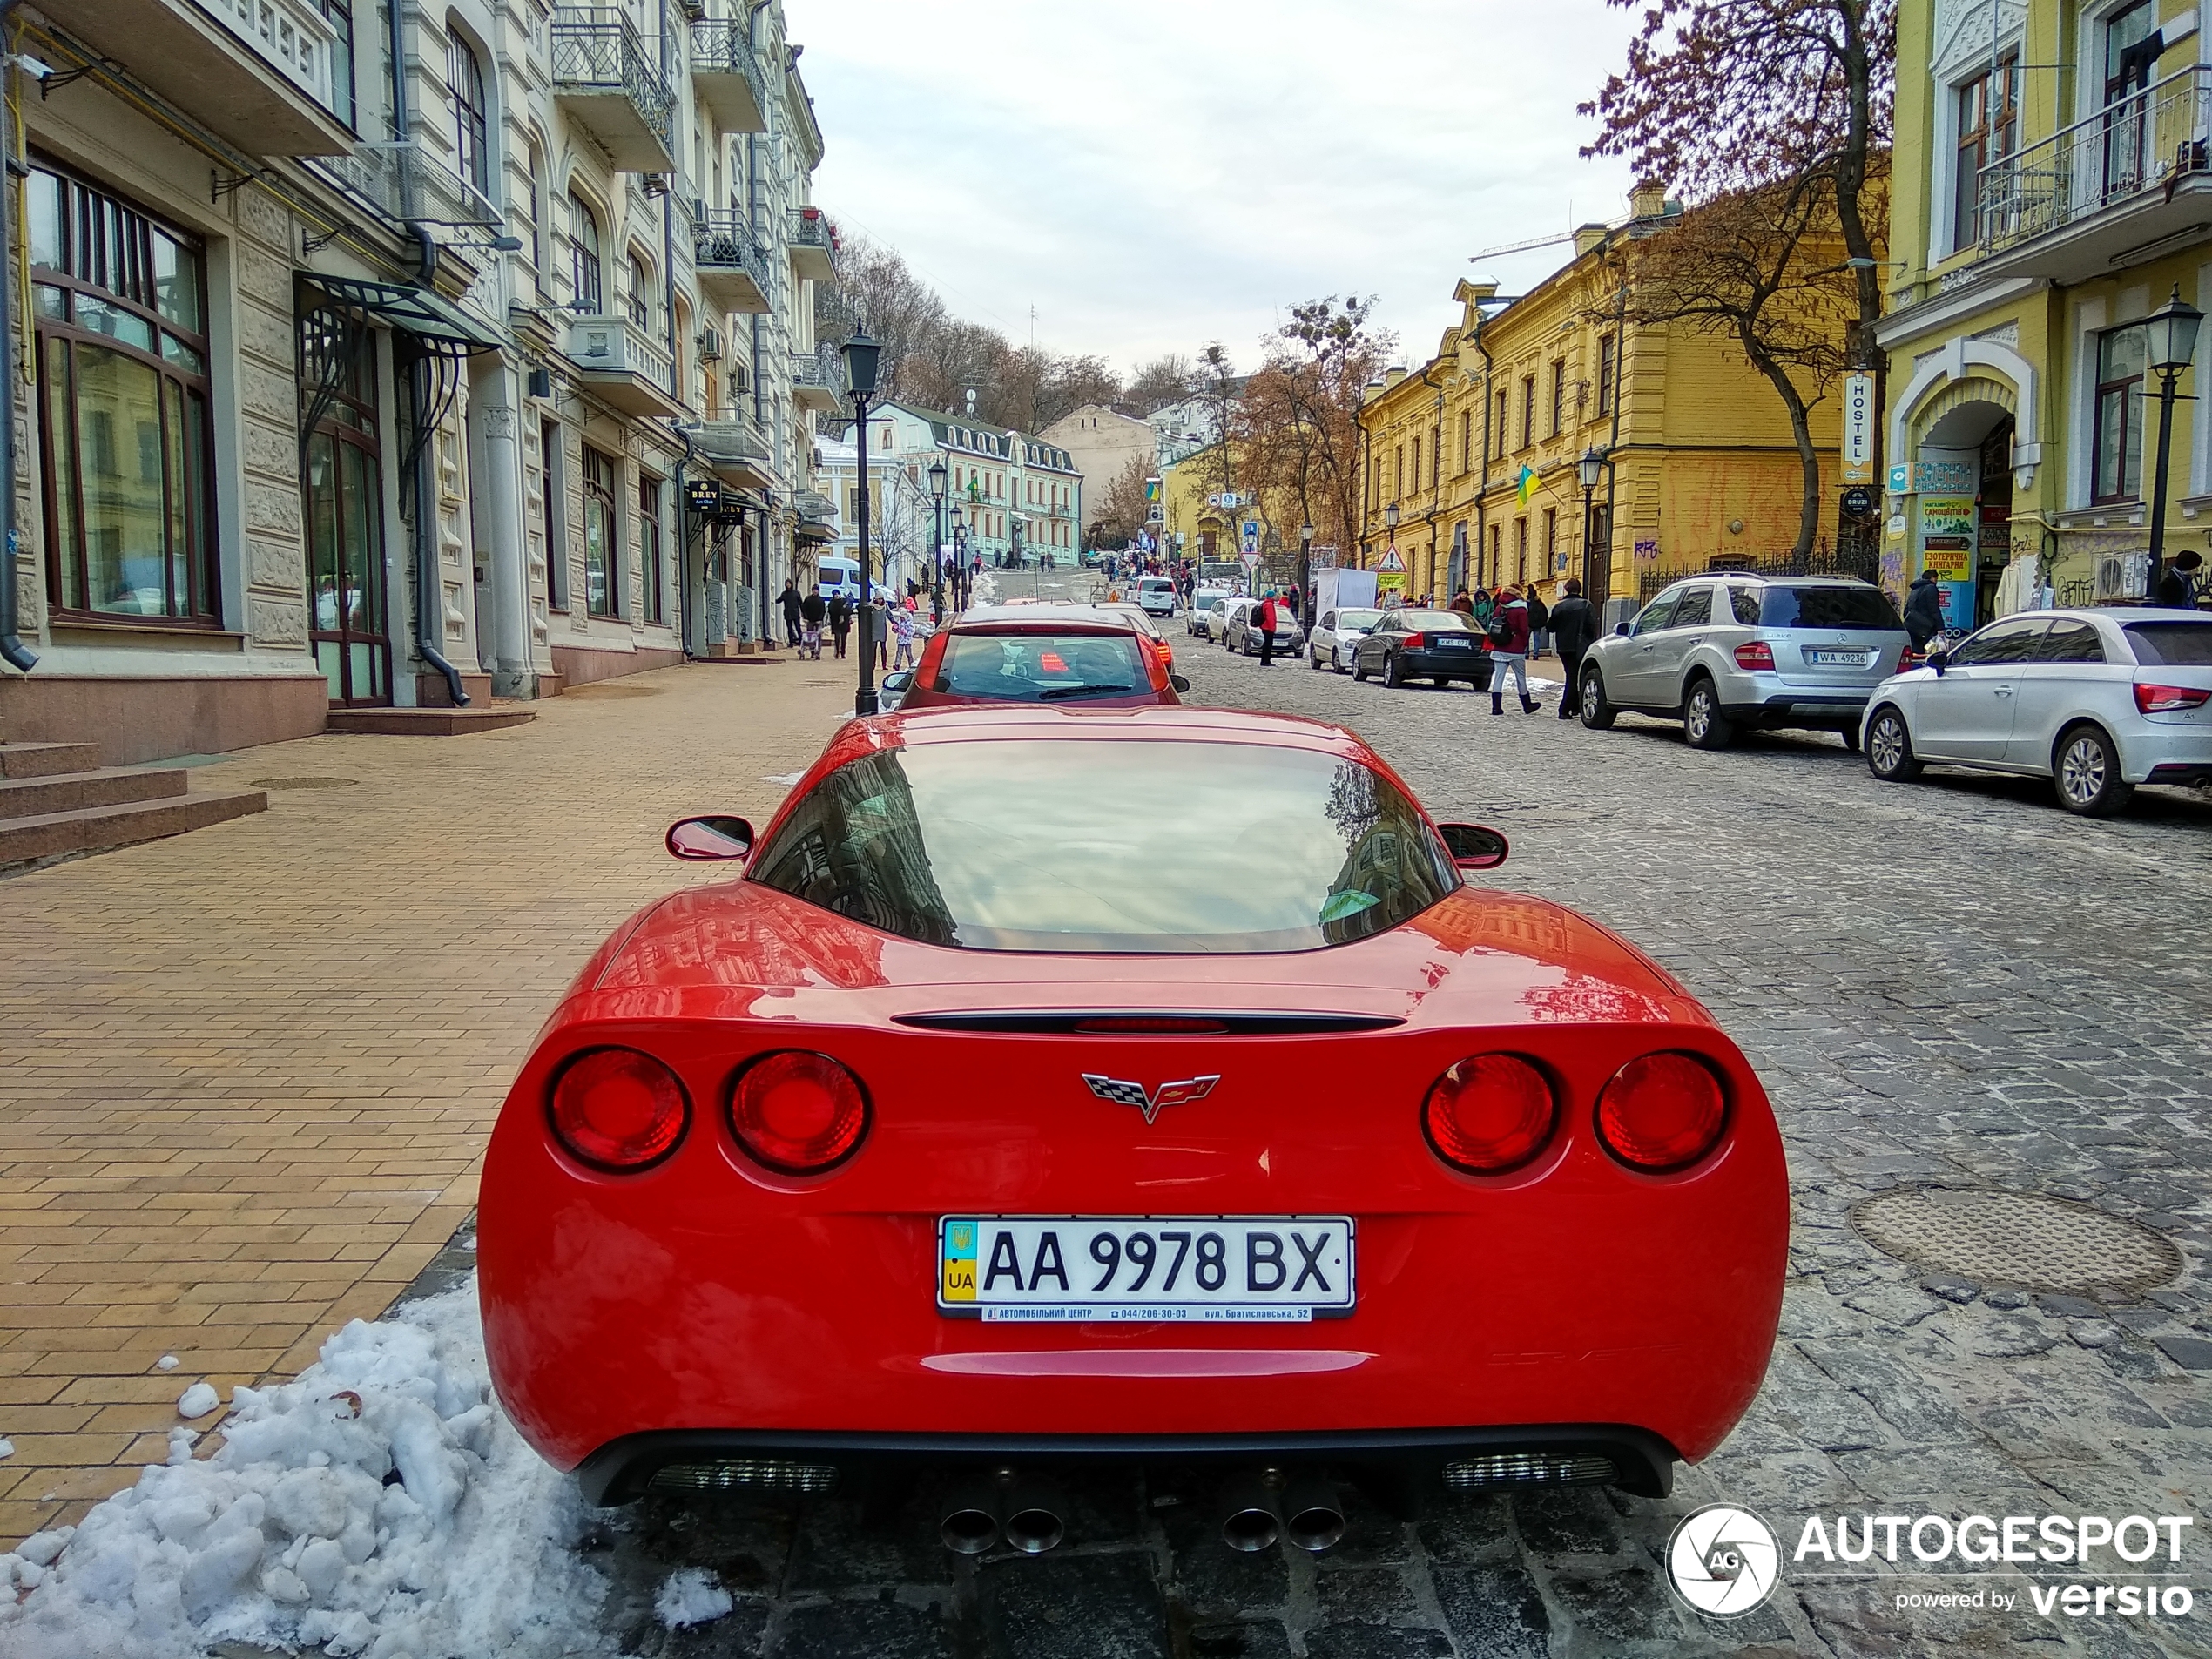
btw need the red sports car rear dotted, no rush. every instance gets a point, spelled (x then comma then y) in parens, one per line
(1125, 1084)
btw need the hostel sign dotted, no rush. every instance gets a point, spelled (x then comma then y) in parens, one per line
(1858, 428)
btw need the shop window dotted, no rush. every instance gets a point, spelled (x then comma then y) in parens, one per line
(556, 543)
(124, 431)
(602, 533)
(649, 547)
(344, 502)
(2117, 440)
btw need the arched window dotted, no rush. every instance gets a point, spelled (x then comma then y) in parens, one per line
(471, 114)
(587, 276)
(639, 307)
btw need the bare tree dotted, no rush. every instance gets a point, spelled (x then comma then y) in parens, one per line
(1298, 420)
(1122, 508)
(1164, 381)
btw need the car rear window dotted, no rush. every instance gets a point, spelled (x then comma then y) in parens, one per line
(1130, 847)
(1156, 584)
(2172, 644)
(1042, 668)
(1826, 607)
(1438, 622)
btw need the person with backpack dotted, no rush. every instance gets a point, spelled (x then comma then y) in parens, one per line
(840, 619)
(1267, 619)
(813, 610)
(1508, 637)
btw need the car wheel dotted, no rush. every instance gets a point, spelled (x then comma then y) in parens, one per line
(1313, 659)
(2085, 771)
(1703, 723)
(1359, 666)
(1392, 676)
(1889, 748)
(1598, 713)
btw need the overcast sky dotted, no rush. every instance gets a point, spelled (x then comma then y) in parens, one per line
(1152, 174)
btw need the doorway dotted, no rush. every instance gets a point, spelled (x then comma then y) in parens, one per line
(345, 491)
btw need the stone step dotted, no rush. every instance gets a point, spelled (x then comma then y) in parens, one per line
(109, 787)
(98, 829)
(428, 722)
(44, 759)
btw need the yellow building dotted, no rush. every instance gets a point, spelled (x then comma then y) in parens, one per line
(2052, 189)
(1699, 465)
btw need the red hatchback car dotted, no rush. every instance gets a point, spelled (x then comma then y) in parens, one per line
(1142, 1084)
(1042, 654)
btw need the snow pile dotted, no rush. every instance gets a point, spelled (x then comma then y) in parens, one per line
(198, 1400)
(380, 1506)
(691, 1595)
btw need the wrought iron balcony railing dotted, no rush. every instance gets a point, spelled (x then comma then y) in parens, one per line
(598, 54)
(405, 181)
(723, 241)
(2140, 143)
(730, 81)
(821, 371)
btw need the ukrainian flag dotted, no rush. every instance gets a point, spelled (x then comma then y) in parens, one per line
(1527, 484)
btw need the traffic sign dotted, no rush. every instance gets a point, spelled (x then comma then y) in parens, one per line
(1252, 537)
(1391, 564)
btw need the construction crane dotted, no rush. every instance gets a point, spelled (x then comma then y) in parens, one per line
(1520, 247)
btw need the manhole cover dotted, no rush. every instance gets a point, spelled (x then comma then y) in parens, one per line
(2023, 1238)
(304, 783)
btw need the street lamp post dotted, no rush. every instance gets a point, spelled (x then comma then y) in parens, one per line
(2171, 335)
(860, 352)
(937, 477)
(1591, 467)
(1304, 569)
(1390, 530)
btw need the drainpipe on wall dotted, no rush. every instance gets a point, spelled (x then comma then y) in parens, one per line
(12, 649)
(683, 545)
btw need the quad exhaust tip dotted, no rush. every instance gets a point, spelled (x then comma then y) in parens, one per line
(1027, 1514)
(1260, 1510)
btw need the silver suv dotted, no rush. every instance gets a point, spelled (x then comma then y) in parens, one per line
(1731, 650)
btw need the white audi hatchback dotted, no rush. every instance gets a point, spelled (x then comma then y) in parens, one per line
(2096, 700)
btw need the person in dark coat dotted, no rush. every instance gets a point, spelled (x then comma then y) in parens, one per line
(1924, 610)
(840, 619)
(813, 611)
(1574, 628)
(1509, 651)
(790, 601)
(2177, 583)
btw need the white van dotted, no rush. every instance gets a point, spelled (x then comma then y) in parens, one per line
(839, 575)
(1156, 596)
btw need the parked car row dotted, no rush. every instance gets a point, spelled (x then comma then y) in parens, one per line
(2098, 700)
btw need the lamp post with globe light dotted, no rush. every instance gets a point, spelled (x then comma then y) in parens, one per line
(937, 478)
(2170, 341)
(1591, 470)
(1390, 530)
(860, 352)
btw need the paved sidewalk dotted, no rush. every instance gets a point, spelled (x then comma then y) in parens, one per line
(246, 1074)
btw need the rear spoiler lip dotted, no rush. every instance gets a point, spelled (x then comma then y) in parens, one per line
(1233, 1022)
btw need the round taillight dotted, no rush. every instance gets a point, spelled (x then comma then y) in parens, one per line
(1661, 1111)
(1490, 1114)
(616, 1108)
(799, 1113)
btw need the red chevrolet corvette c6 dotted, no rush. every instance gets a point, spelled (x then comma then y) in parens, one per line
(1142, 1085)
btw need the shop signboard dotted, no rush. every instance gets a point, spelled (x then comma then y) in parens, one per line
(1858, 428)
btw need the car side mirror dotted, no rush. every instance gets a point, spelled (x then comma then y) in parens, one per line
(1180, 683)
(1621, 630)
(1474, 847)
(710, 839)
(898, 680)
(1938, 660)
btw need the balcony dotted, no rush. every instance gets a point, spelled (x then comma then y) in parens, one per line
(813, 252)
(2125, 185)
(258, 72)
(623, 367)
(726, 77)
(736, 452)
(732, 273)
(406, 182)
(603, 77)
(817, 379)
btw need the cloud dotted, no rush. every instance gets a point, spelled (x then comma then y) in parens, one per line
(1151, 175)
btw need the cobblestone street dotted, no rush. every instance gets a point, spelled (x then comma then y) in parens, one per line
(2026, 1014)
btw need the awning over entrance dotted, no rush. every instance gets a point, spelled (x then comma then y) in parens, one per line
(420, 312)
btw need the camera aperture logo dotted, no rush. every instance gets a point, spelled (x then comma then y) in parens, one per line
(1723, 1561)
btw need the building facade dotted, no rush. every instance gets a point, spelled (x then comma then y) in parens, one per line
(2051, 187)
(375, 367)
(1011, 498)
(1102, 443)
(1479, 449)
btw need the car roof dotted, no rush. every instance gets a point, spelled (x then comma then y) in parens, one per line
(1182, 723)
(1044, 611)
(1771, 580)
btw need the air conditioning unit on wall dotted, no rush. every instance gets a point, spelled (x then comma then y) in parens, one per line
(711, 344)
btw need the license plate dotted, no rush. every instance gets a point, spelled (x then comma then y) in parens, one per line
(1079, 1269)
(1454, 644)
(1839, 658)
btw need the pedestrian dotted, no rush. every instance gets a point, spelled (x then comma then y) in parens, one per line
(1509, 651)
(790, 602)
(1480, 607)
(1463, 602)
(840, 619)
(813, 610)
(1539, 622)
(1574, 629)
(902, 631)
(1268, 610)
(880, 629)
(2177, 586)
(1924, 610)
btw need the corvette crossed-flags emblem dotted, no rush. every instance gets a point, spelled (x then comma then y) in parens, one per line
(1150, 1101)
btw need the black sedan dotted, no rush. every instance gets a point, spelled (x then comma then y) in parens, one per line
(1439, 646)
